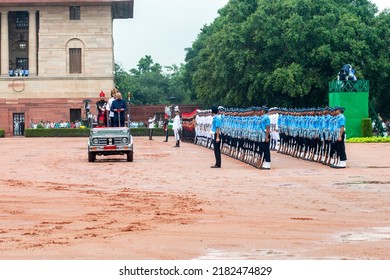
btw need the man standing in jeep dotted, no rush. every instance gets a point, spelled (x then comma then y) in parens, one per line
(118, 106)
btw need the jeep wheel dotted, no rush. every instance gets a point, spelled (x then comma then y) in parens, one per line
(91, 157)
(130, 156)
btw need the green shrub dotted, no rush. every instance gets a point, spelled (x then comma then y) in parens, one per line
(2, 133)
(57, 132)
(84, 132)
(366, 128)
(144, 131)
(369, 140)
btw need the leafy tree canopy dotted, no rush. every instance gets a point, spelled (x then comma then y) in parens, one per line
(284, 53)
(149, 84)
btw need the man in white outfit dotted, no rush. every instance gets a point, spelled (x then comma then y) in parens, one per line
(151, 121)
(110, 117)
(177, 126)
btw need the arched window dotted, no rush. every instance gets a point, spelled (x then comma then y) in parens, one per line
(75, 60)
(75, 56)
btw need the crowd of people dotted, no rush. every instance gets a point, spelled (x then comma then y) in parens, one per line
(19, 72)
(19, 127)
(55, 124)
(314, 134)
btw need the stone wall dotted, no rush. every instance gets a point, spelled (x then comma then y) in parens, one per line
(33, 87)
(92, 33)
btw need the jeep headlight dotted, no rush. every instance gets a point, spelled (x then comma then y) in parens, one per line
(124, 140)
(95, 141)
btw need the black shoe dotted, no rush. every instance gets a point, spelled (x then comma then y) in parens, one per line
(215, 166)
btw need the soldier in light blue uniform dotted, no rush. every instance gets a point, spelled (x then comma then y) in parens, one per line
(259, 136)
(223, 128)
(216, 131)
(321, 135)
(312, 134)
(300, 124)
(306, 134)
(241, 134)
(282, 123)
(248, 142)
(318, 135)
(327, 135)
(334, 135)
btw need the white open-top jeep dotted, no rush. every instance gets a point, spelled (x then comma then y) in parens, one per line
(110, 141)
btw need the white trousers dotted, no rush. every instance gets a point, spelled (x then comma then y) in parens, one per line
(177, 134)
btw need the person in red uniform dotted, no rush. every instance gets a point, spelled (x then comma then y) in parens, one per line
(101, 122)
(101, 107)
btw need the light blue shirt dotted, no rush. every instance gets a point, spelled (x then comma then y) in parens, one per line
(216, 123)
(341, 121)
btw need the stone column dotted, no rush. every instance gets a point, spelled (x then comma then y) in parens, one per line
(4, 44)
(32, 43)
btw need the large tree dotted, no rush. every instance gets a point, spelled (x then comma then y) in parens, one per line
(146, 83)
(378, 72)
(285, 52)
(151, 84)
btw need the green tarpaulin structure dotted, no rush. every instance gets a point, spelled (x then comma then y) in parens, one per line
(353, 96)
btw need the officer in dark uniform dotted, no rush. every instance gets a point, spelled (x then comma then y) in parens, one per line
(216, 130)
(339, 141)
(265, 127)
(119, 107)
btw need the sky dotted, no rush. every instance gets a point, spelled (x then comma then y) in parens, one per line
(161, 29)
(164, 28)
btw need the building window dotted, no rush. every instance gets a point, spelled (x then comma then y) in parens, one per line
(18, 124)
(22, 63)
(75, 61)
(21, 20)
(74, 12)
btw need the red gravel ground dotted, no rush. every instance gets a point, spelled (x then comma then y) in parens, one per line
(169, 204)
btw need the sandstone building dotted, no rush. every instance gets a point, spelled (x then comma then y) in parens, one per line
(55, 54)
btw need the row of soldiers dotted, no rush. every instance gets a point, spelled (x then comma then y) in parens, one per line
(315, 134)
(245, 134)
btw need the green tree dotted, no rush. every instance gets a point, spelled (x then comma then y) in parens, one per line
(379, 67)
(149, 84)
(285, 52)
(178, 91)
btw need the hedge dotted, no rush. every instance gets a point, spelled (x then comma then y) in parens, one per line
(56, 132)
(2, 133)
(144, 131)
(369, 140)
(84, 132)
(366, 128)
